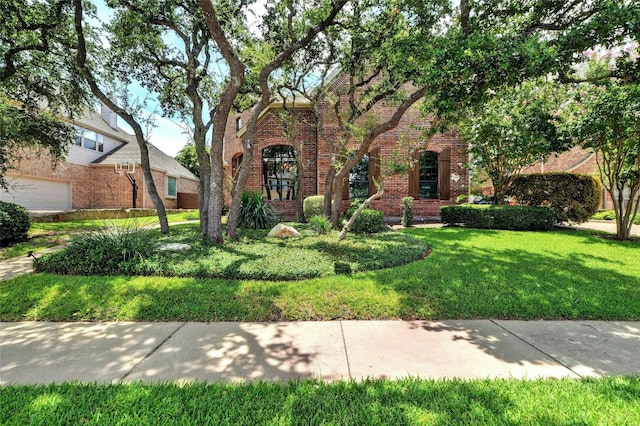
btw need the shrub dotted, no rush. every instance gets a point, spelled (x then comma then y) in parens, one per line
(517, 218)
(574, 197)
(407, 211)
(255, 211)
(14, 222)
(313, 206)
(320, 224)
(113, 250)
(369, 221)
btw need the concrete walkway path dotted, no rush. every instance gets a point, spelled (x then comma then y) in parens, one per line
(42, 352)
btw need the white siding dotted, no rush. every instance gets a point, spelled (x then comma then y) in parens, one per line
(83, 156)
(38, 194)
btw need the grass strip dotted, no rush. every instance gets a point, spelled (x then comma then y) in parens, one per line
(611, 400)
(470, 274)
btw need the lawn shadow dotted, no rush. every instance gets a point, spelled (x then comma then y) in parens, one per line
(463, 281)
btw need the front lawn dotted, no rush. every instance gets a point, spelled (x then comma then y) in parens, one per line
(43, 235)
(470, 274)
(612, 400)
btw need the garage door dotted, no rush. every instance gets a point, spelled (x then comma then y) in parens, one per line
(38, 194)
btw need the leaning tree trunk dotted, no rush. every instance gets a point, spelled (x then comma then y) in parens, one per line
(347, 226)
(81, 63)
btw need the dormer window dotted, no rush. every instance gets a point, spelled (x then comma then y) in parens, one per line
(238, 124)
(89, 139)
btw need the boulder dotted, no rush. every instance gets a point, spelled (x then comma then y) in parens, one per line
(283, 231)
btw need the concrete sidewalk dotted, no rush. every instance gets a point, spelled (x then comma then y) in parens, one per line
(41, 352)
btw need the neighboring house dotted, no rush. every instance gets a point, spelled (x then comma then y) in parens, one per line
(438, 176)
(86, 178)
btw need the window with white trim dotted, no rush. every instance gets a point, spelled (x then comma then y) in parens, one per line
(172, 187)
(89, 139)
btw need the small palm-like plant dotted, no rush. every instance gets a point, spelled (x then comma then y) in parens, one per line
(255, 211)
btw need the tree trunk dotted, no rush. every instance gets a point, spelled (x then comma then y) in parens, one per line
(81, 62)
(220, 115)
(216, 195)
(343, 233)
(328, 192)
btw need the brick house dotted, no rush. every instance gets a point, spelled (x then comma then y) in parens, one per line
(86, 179)
(438, 176)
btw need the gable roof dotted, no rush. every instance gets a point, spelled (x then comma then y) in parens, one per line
(157, 159)
(92, 120)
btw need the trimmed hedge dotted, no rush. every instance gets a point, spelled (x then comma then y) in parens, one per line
(312, 206)
(574, 197)
(14, 222)
(515, 218)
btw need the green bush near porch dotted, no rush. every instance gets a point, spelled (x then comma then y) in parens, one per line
(514, 218)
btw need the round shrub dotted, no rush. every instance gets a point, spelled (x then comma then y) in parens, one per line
(369, 221)
(313, 206)
(14, 222)
(574, 197)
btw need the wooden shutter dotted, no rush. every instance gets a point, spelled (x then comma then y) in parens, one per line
(374, 170)
(444, 174)
(414, 176)
(345, 188)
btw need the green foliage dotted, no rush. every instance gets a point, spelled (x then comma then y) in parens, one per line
(33, 129)
(469, 274)
(255, 211)
(342, 268)
(513, 129)
(369, 221)
(320, 224)
(116, 249)
(312, 206)
(574, 197)
(253, 256)
(605, 119)
(188, 157)
(521, 218)
(407, 211)
(409, 401)
(14, 222)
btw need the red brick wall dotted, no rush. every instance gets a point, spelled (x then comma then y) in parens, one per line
(98, 186)
(317, 159)
(406, 135)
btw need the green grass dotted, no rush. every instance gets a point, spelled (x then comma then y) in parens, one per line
(612, 400)
(43, 235)
(253, 256)
(470, 274)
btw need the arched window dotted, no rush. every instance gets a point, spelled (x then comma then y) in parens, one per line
(279, 172)
(428, 175)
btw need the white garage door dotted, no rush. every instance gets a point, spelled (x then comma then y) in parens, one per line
(38, 194)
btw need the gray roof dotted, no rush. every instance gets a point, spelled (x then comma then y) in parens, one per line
(157, 159)
(93, 120)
